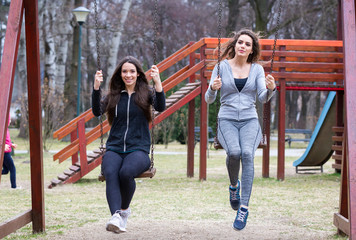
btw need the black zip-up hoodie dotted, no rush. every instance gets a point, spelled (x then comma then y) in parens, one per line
(130, 130)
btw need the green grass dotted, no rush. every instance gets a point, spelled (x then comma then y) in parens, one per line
(304, 200)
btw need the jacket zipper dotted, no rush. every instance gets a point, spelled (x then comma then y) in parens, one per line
(127, 124)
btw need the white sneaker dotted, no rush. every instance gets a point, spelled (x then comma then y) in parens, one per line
(116, 223)
(125, 215)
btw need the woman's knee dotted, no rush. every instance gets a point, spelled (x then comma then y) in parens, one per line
(248, 155)
(234, 154)
(126, 174)
(110, 164)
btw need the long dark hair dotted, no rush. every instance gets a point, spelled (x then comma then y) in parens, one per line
(228, 48)
(143, 92)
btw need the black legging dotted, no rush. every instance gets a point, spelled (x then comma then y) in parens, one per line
(120, 170)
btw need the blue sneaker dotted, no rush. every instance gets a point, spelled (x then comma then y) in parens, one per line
(241, 219)
(235, 196)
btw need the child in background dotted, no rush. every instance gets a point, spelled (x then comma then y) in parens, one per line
(8, 164)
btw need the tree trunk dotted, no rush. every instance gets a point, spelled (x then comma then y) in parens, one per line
(116, 40)
(312, 110)
(233, 17)
(63, 31)
(262, 9)
(50, 66)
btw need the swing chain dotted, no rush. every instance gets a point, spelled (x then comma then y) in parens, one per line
(152, 130)
(217, 144)
(155, 32)
(153, 88)
(219, 35)
(99, 68)
(267, 107)
(97, 35)
(276, 34)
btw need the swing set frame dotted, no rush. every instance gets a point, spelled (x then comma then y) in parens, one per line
(344, 221)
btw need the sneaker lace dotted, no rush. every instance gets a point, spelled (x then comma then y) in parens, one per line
(233, 195)
(241, 216)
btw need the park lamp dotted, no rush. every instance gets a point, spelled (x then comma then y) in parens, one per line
(81, 14)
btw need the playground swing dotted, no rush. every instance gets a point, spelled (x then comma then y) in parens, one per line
(263, 142)
(151, 171)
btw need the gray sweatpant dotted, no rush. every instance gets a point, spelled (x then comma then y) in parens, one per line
(240, 140)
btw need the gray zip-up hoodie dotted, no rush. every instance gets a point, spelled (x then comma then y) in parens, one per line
(239, 105)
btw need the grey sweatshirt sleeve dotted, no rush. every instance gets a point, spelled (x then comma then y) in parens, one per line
(210, 95)
(264, 94)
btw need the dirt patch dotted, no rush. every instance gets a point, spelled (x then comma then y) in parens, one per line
(193, 230)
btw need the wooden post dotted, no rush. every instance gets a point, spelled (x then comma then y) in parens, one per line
(341, 219)
(203, 118)
(339, 94)
(266, 150)
(191, 123)
(349, 36)
(281, 123)
(82, 147)
(73, 137)
(35, 114)
(8, 66)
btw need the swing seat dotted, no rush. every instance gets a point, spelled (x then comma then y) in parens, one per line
(147, 174)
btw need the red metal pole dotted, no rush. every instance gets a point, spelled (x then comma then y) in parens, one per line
(203, 119)
(35, 114)
(349, 36)
(191, 123)
(8, 66)
(281, 124)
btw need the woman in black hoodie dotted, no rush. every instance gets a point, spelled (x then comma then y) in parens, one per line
(128, 108)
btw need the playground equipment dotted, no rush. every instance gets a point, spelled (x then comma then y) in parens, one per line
(320, 145)
(300, 61)
(36, 214)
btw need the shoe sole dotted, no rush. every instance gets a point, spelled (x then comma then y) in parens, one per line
(237, 229)
(115, 229)
(237, 208)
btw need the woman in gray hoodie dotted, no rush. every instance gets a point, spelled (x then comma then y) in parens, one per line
(240, 80)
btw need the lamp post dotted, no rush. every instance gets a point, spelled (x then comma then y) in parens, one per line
(80, 13)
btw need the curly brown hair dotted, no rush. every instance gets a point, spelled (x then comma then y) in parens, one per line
(228, 48)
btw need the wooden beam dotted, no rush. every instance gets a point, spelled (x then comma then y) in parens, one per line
(190, 96)
(342, 223)
(266, 150)
(82, 148)
(281, 126)
(8, 66)
(35, 114)
(72, 125)
(181, 55)
(17, 222)
(285, 42)
(191, 124)
(203, 120)
(349, 37)
(184, 75)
